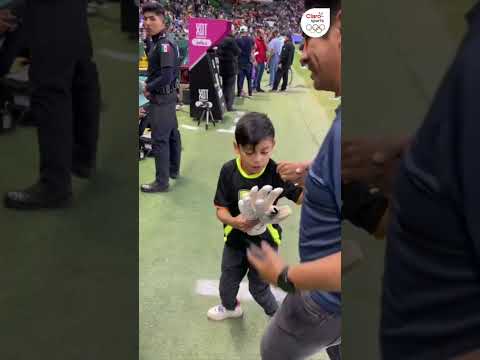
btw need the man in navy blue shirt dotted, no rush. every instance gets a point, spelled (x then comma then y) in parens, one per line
(431, 288)
(309, 321)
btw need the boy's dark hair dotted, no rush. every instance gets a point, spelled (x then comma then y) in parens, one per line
(154, 7)
(334, 5)
(252, 128)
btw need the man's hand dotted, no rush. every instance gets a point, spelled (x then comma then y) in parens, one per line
(8, 22)
(267, 262)
(146, 93)
(243, 224)
(141, 112)
(373, 162)
(294, 172)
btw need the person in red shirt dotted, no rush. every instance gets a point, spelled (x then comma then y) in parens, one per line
(260, 58)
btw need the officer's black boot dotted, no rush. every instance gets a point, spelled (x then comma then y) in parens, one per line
(83, 171)
(154, 187)
(86, 118)
(161, 177)
(38, 196)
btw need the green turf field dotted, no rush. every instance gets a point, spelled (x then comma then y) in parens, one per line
(181, 240)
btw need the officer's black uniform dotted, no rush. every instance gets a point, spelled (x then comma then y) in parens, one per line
(228, 52)
(286, 60)
(166, 143)
(64, 101)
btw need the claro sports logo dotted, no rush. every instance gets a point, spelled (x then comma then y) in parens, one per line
(316, 22)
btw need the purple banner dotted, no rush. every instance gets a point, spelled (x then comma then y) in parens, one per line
(204, 33)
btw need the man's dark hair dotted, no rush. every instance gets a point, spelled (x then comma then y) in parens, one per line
(154, 7)
(334, 5)
(252, 128)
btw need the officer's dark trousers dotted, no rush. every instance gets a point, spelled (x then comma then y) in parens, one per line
(166, 143)
(235, 266)
(65, 105)
(65, 100)
(282, 74)
(245, 71)
(228, 88)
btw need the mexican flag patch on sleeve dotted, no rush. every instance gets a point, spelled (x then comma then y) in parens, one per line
(165, 48)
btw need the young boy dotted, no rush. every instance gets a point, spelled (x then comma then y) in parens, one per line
(255, 140)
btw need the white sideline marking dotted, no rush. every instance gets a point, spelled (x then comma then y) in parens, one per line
(230, 131)
(188, 127)
(206, 287)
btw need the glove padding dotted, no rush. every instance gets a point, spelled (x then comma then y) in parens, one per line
(258, 204)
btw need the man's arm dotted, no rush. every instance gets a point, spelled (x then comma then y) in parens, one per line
(365, 208)
(8, 21)
(373, 161)
(236, 49)
(295, 172)
(161, 81)
(284, 56)
(324, 273)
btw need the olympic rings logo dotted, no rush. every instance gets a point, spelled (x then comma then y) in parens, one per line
(315, 22)
(318, 28)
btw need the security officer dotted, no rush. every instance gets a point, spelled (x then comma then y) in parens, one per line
(286, 61)
(65, 100)
(160, 90)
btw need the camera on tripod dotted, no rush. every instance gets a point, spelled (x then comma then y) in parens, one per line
(206, 114)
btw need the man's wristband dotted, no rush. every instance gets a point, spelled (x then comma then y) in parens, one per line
(284, 283)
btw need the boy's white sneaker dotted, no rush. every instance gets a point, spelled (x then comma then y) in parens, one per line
(220, 313)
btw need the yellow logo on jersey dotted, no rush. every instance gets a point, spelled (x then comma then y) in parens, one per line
(242, 194)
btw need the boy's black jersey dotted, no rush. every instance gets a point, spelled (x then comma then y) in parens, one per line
(234, 183)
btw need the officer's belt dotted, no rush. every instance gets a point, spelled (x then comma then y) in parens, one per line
(165, 90)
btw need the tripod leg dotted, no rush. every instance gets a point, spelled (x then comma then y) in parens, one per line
(213, 119)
